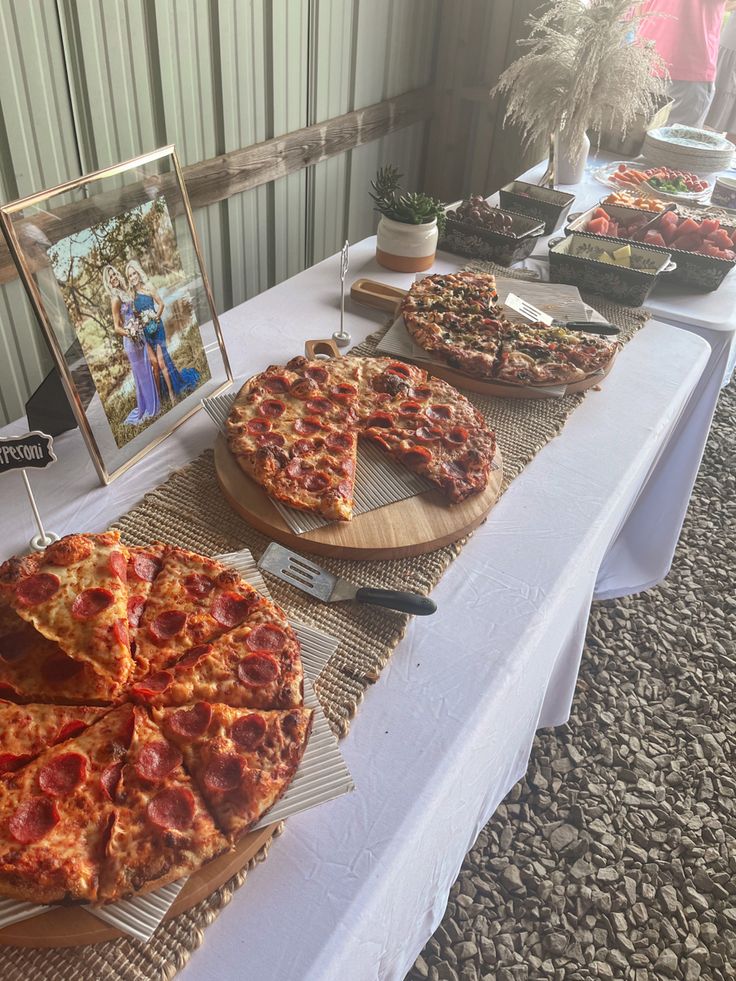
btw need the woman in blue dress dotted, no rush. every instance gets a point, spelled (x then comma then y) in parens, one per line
(150, 307)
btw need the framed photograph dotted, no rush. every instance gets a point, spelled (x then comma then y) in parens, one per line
(112, 266)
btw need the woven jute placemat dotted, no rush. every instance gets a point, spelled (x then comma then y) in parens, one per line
(188, 510)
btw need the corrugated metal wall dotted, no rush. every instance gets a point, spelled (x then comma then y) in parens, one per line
(87, 83)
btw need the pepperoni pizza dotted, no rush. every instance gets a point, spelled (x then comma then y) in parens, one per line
(102, 801)
(456, 317)
(295, 430)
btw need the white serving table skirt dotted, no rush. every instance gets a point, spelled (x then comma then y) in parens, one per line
(354, 888)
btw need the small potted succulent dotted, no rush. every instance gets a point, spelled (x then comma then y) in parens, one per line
(409, 226)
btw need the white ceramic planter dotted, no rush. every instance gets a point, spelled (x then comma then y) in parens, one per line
(406, 248)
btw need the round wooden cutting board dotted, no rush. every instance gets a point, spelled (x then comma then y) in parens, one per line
(412, 527)
(72, 926)
(381, 296)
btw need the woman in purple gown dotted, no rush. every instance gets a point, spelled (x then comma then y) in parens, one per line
(127, 325)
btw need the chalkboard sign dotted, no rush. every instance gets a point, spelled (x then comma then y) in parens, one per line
(22, 452)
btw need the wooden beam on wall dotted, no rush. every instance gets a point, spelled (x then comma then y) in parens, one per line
(223, 176)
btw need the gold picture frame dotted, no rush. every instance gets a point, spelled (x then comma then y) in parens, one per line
(114, 272)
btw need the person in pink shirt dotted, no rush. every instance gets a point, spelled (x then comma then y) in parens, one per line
(687, 40)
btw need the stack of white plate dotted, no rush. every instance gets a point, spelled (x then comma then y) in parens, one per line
(685, 148)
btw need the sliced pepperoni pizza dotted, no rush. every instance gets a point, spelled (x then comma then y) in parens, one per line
(75, 594)
(257, 665)
(56, 813)
(160, 829)
(294, 430)
(192, 601)
(27, 730)
(242, 761)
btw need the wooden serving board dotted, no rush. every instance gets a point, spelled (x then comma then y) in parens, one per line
(72, 926)
(381, 296)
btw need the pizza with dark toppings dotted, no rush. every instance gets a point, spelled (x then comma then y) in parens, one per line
(295, 429)
(101, 802)
(457, 319)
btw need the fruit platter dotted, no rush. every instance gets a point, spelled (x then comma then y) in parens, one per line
(673, 185)
(703, 248)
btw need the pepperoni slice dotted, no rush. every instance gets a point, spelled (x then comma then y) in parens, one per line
(302, 447)
(345, 489)
(266, 637)
(60, 667)
(380, 420)
(339, 442)
(135, 610)
(457, 435)
(296, 467)
(91, 602)
(62, 774)
(230, 609)
(69, 729)
(417, 456)
(10, 762)
(272, 408)
(317, 374)
(316, 482)
(277, 384)
(429, 434)
(271, 439)
(144, 566)
(153, 684)
(33, 820)
(409, 409)
(304, 389)
(110, 778)
(168, 624)
(120, 632)
(319, 405)
(347, 467)
(156, 760)
(38, 588)
(172, 809)
(421, 392)
(198, 585)
(378, 440)
(191, 723)
(344, 392)
(258, 426)
(223, 772)
(248, 731)
(307, 426)
(118, 565)
(397, 368)
(258, 670)
(191, 658)
(439, 413)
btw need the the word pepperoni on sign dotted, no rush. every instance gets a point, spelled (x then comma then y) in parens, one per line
(21, 452)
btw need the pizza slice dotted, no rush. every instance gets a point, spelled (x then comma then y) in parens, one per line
(161, 829)
(34, 668)
(257, 665)
(192, 601)
(242, 761)
(56, 814)
(144, 565)
(75, 594)
(27, 730)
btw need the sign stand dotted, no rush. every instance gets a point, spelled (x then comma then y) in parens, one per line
(18, 453)
(341, 337)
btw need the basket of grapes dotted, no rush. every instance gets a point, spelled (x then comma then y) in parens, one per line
(476, 229)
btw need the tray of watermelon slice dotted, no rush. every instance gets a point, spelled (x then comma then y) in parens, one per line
(704, 249)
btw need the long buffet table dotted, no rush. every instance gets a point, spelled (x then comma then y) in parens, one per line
(354, 888)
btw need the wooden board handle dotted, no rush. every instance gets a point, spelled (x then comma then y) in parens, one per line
(380, 296)
(321, 348)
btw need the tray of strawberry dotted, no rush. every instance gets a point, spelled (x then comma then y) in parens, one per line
(673, 185)
(704, 249)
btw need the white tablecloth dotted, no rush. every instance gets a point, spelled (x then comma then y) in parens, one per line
(354, 888)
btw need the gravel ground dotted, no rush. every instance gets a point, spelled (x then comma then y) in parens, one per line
(615, 857)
